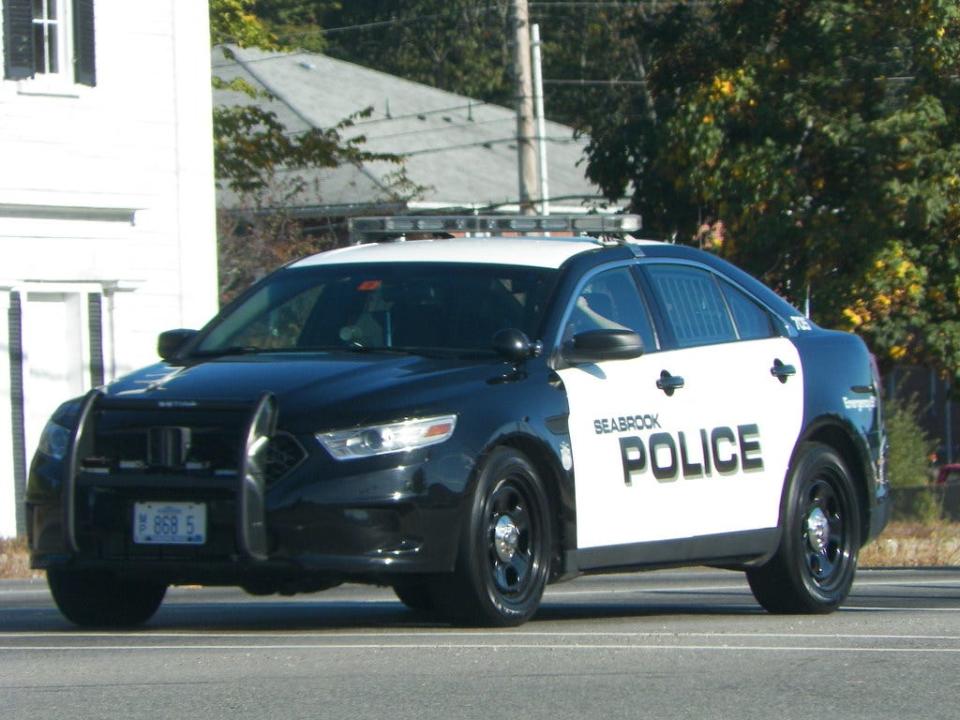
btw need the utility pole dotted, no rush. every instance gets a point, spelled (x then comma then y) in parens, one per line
(541, 119)
(523, 83)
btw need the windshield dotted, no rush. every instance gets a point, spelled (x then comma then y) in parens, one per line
(399, 306)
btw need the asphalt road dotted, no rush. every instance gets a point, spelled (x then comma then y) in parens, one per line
(675, 644)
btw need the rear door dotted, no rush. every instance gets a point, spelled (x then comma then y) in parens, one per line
(693, 438)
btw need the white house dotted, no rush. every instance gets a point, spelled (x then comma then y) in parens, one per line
(107, 223)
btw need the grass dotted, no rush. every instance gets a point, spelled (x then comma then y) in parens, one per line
(905, 544)
(902, 544)
(15, 560)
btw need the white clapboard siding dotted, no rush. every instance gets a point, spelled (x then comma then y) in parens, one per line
(138, 147)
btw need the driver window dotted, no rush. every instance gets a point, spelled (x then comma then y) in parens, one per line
(612, 301)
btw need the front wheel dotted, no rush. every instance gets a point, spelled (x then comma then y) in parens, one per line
(415, 594)
(504, 557)
(100, 599)
(813, 568)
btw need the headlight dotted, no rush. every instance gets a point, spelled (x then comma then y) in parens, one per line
(54, 441)
(390, 438)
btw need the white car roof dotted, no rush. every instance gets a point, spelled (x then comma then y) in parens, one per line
(527, 251)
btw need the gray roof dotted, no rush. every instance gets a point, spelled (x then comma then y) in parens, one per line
(462, 151)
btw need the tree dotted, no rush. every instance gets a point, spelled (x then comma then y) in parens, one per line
(251, 146)
(297, 23)
(456, 45)
(250, 143)
(814, 142)
(817, 143)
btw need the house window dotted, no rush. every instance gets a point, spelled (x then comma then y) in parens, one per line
(49, 38)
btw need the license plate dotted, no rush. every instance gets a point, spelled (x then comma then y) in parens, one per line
(171, 523)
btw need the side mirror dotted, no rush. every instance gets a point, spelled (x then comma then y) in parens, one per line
(594, 346)
(170, 342)
(514, 345)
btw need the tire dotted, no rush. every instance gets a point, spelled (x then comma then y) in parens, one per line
(416, 595)
(100, 599)
(813, 568)
(504, 555)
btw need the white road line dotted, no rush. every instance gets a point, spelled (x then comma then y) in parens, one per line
(147, 635)
(910, 609)
(478, 646)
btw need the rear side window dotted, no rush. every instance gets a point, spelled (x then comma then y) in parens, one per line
(693, 305)
(753, 321)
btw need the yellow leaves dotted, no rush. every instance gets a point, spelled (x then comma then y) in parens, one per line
(904, 267)
(898, 352)
(708, 119)
(725, 84)
(856, 319)
(893, 286)
(941, 31)
(722, 86)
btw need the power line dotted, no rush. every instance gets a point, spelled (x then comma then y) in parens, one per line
(442, 128)
(638, 5)
(482, 143)
(387, 23)
(424, 113)
(498, 7)
(584, 81)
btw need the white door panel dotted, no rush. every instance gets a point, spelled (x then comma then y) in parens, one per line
(709, 459)
(53, 353)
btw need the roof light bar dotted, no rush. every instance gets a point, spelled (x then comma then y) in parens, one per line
(578, 224)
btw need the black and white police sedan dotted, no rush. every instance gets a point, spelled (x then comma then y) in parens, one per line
(466, 420)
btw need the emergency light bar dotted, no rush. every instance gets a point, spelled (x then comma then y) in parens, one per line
(578, 224)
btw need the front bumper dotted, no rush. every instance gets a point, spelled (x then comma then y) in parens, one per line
(366, 539)
(315, 522)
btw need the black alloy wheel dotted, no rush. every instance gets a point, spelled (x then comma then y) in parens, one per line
(504, 558)
(814, 566)
(415, 594)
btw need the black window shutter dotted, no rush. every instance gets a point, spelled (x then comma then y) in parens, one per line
(95, 314)
(84, 47)
(18, 418)
(17, 39)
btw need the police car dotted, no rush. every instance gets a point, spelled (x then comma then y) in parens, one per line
(467, 419)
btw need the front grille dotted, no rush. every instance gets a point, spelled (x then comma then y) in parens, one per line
(284, 454)
(198, 443)
(134, 450)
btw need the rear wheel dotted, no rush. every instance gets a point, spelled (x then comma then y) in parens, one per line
(101, 599)
(813, 569)
(504, 556)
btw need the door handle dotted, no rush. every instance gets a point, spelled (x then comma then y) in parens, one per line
(668, 383)
(781, 372)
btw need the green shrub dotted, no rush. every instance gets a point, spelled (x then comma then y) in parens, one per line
(908, 467)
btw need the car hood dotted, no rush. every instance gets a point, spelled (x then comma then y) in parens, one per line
(325, 390)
